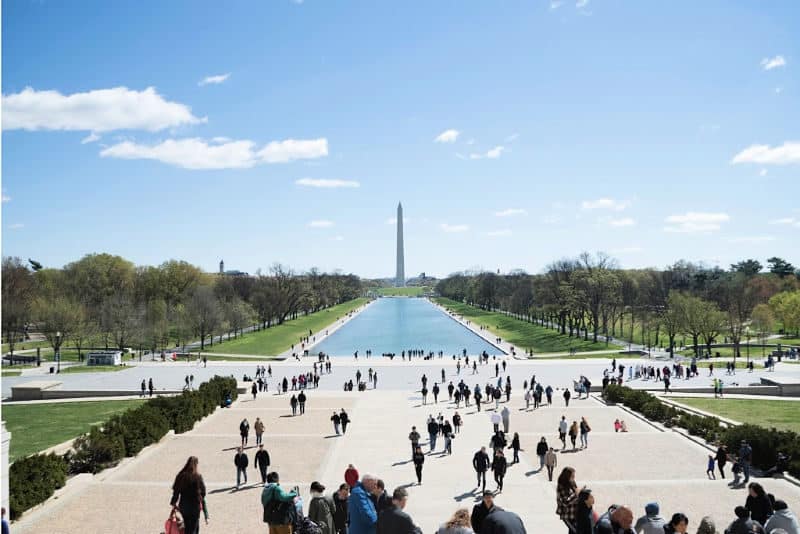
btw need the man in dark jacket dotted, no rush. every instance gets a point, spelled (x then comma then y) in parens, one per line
(502, 522)
(381, 500)
(301, 399)
(433, 430)
(480, 462)
(240, 461)
(394, 520)
(262, 462)
(340, 503)
(481, 510)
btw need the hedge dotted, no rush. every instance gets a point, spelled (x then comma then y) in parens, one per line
(33, 480)
(105, 445)
(766, 442)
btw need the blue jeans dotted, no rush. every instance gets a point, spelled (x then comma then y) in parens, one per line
(433, 441)
(240, 471)
(746, 472)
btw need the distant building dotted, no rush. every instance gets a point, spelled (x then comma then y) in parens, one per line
(233, 272)
(111, 357)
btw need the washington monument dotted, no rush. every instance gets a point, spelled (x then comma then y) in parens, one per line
(400, 277)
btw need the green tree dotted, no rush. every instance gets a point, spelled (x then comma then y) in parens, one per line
(17, 299)
(747, 267)
(780, 267)
(203, 313)
(58, 319)
(786, 307)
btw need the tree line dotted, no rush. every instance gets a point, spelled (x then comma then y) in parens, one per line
(591, 296)
(105, 300)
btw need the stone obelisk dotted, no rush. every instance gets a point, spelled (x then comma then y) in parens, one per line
(400, 276)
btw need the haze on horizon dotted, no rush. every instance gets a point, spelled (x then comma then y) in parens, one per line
(514, 134)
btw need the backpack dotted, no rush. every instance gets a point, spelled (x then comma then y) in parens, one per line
(277, 512)
(306, 526)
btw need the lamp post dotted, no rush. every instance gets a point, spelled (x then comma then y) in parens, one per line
(58, 352)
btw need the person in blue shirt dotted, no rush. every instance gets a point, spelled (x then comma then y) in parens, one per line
(360, 508)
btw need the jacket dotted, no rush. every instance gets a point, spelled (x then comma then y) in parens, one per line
(541, 448)
(413, 436)
(480, 462)
(502, 522)
(606, 526)
(566, 504)
(361, 511)
(259, 427)
(340, 511)
(190, 493)
(479, 513)
(550, 459)
(395, 521)
(419, 459)
(740, 526)
(650, 524)
(499, 465)
(760, 508)
(273, 492)
(262, 459)
(240, 460)
(583, 520)
(784, 519)
(320, 511)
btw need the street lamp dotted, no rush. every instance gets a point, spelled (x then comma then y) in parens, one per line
(58, 352)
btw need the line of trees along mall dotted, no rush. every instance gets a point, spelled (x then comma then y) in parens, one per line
(590, 296)
(103, 300)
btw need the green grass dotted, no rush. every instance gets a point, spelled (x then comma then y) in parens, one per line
(740, 364)
(36, 427)
(11, 373)
(415, 291)
(24, 345)
(279, 338)
(786, 341)
(521, 334)
(92, 369)
(783, 415)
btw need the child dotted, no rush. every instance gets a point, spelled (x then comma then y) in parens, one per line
(710, 468)
(737, 469)
(617, 425)
(623, 426)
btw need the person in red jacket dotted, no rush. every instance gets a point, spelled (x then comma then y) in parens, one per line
(351, 475)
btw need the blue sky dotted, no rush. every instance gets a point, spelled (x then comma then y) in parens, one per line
(514, 132)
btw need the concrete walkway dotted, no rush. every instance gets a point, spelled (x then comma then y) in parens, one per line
(637, 467)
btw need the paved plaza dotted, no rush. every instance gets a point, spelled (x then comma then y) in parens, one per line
(640, 466)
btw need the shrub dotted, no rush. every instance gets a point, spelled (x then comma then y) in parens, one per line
(95, 451)
(33, 480)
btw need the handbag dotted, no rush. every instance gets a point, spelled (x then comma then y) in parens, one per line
(174, 523)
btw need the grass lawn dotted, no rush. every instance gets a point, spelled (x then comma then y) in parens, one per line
(521, 334)
(783, 415)
(36, 427)
(12, 373)
(740, 364)
(92, 369)
(279, 338)
(415, 291)
(786, 341)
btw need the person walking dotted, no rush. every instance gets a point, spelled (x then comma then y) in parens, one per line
(262, 462)
(505, 413)
(150, 387)
(550, 461)
(345, 420)
(745, 457)
(482, 510)
(419, 459)
(480, 463)
(499, 466)
(293, 404)
(258, 426)
(321, 509)
(254, 390)
(413, 437)
(433, 431)
(496, 420)
(541, 451)
(722, 459)
(562, 432)
(457, 422)
(277, 505)
(435, 392)
(241, 462)
(573, 434)
(567, 396)
(339, 499)
(244, 431)
(336, 419)
(584, 429)
(144, 388)
(394, 520)
(301, 400)
(515, 447)
(188, 493)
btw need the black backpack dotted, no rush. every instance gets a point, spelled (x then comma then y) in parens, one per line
(277, 512)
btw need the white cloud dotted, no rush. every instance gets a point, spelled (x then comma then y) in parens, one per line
(221, 139)
(214, 80)
(696, 222)
(510, 212)
(337, 238)
(752, 239)
(784, 220)
(98, 111)
(788, 152)
(326, 183)
(493, 153)
(618, 223)
(471, 141)
(499, 233)
(196, 153)
(605, 204)
(447, 136)
(551, 219)
(454, 228)
(91, 138)
(762, 172)
(778, 90)
(555, 4)
(769, 63)
(580, 4)
(320, 223)
(6, 198)
(16, 226)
